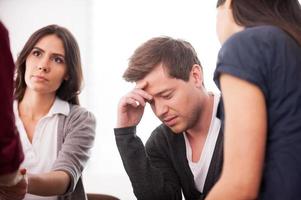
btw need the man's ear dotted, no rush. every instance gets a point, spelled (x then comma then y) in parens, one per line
(196, 75)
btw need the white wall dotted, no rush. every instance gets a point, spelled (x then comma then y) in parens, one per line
(108, 32)
(22, 18)
(118, 28)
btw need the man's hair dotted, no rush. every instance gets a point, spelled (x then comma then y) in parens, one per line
(285, 14)
(175, 55)
(69, 89)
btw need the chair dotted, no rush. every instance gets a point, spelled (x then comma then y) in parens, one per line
(94, 196)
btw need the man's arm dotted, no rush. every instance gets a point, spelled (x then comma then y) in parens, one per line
(245, 138)
(151, 175)
(150, 171)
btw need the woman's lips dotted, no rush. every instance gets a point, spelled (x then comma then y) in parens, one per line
(39, 78)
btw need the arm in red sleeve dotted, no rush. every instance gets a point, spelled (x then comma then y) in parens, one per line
(11, 154)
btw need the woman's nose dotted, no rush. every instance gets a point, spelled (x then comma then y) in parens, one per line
(43, 65)
(44, 69)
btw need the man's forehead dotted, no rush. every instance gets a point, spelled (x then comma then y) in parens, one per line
(155, 88)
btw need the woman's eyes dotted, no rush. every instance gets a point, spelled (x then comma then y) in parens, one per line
(36, 53)
(55, 58)
(58, 60)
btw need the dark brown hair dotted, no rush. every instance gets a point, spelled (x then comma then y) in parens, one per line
(69, 89)
(177, 56)
(285, 14)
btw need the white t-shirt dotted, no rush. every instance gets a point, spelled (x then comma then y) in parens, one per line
(42, 152)
(200, 169)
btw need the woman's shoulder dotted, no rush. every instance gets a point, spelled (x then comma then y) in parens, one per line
(78, 112)
(253, 36)
(256, 41)
(78, 109)
(264, 29)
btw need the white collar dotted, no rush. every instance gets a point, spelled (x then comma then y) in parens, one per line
(58, 107)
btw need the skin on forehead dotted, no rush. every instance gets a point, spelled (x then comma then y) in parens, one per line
(158, 81)
(52, 43)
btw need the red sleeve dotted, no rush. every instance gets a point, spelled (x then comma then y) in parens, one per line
(11, 154)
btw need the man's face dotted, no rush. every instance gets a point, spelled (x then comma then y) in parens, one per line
(176, 103)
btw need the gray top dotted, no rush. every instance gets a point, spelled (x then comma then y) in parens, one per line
(76, 133)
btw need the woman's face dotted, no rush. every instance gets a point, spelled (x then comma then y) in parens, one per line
(45, 65)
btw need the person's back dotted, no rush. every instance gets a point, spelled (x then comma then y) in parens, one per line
(278, 61)
(283, 162)
(258, 71)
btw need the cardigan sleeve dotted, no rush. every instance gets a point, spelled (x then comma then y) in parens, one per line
(149, 168)
(79, 133)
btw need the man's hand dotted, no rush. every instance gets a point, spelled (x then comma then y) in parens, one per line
(131, 106)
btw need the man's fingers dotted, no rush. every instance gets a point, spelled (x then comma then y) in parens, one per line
(132, 102)
(139, 100)
(143, 94)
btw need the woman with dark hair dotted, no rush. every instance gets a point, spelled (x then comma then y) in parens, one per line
(259, 73)
(56, 133)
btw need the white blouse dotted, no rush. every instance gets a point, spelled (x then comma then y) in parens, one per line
(42, 152)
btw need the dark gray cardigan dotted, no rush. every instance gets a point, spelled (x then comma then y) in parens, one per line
(76, 134)
(160, 170)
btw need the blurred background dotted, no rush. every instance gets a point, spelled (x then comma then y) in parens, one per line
(108, 32)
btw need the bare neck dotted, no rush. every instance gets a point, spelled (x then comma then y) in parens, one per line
(35, 105)
(197, 135)
(202, 125)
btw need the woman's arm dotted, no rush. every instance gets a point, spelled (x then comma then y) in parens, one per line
(48, 184)
(44, 184)
(78, 138)
(245, 140)
(79, 128)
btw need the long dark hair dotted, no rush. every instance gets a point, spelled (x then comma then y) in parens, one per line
(69, 89)
(285, 14)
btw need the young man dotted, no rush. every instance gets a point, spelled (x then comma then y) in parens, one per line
(183, 154)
